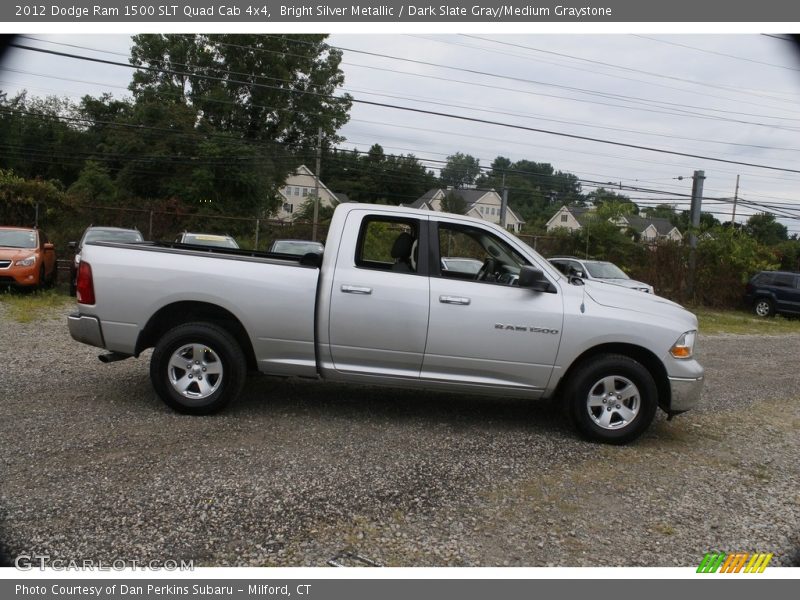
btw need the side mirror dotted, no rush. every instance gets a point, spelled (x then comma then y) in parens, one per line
(48, 246)
(534, 279)
(73, 245)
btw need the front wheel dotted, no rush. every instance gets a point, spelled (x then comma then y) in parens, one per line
(197, 368)
(612, 399)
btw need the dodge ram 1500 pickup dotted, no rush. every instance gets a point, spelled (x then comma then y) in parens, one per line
(378, 308)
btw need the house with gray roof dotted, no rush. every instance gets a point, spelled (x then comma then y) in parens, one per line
(481, 204)
(648, 229)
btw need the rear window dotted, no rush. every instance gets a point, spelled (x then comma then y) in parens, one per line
(784, 280)
(777, 279)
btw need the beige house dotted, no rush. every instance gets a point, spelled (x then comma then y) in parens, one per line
(649, 230)
(298, 188)
(481, 204)
(569, 217)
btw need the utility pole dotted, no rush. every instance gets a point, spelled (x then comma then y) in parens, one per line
(504, 203)
(316, 186)
(735, 198)
(694, 218)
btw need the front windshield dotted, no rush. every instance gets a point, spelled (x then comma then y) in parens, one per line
(17, 239)
(605, 270)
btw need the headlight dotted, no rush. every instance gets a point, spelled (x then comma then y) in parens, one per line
(26, 262)
(684, 347)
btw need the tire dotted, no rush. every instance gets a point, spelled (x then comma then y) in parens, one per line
(212, 356)
(763, 307)
(42, 283)
(51, 281)
(627, 383)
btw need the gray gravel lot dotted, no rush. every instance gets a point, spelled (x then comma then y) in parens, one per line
(92, 465)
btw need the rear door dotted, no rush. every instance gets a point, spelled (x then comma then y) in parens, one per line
(784, 286)
(378, 319)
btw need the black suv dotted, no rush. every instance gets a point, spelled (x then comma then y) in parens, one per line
(770, 292)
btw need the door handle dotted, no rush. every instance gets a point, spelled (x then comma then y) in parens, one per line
(454, 300)
(356, 289)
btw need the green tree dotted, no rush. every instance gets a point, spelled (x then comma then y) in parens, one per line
(454, 203)
(93, 186)
(376, 176)
(270, 88)
(20, 198)
(460, 170)
(305, 212)
(766, 229)
(39, 139)
(621, 203)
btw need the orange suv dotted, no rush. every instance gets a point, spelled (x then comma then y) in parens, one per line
(27, 258)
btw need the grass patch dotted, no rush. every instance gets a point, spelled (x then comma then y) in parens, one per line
(26, 307)
(737, 321)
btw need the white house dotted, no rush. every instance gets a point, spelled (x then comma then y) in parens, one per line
(649, 229)
(297, 190)
(482, 204)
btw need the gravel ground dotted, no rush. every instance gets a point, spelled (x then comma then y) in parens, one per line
(92, 465)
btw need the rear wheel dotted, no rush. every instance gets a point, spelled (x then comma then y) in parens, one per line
(611, 398)
(197, 368)
(763, 307)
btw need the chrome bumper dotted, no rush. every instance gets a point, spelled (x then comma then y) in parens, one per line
(685, 393)
(86, 329)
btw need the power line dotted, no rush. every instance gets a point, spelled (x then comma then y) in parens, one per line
(678, 109)
(634, 70)
(714, 52)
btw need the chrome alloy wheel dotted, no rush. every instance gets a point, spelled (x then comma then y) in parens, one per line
(195, 371)
(613, 402)
(763, 308)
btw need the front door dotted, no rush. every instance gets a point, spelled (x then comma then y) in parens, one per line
(483, 328)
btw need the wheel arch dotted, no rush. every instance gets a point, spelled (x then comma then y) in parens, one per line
(179, 313)
(638, 353)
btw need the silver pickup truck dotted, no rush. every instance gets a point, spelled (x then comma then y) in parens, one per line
(380, 307)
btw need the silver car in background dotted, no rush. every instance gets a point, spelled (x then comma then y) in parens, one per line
(598, 270)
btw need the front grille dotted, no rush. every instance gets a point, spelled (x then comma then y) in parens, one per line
(7, 280)
(4, 264)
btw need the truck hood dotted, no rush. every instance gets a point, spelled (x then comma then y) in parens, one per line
(615, 296)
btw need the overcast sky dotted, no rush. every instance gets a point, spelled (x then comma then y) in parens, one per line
(725, 96)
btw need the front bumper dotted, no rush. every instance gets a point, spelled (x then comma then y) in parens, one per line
(86, 329)
(20, 276)
(685, 393)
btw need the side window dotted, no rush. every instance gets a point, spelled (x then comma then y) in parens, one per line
(575, 267)
(388, 244)
(475, 254)
(784, 280)
(560, 265)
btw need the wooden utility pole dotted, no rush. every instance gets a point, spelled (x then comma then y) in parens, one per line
(316, 186)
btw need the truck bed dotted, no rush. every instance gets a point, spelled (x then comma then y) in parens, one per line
(271, 295)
